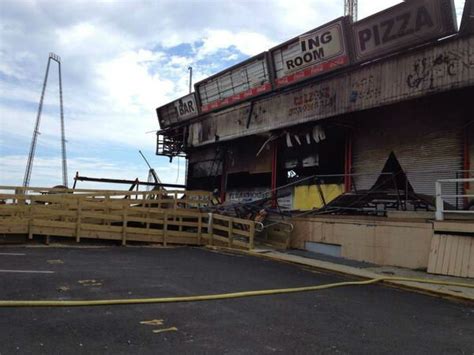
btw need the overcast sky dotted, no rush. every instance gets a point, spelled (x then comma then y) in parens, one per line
(121, 60)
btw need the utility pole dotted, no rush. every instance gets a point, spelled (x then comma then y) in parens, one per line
(350, 9)
(190, 79)
(31, 156)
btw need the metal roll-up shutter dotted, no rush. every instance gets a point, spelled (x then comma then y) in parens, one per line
(427, 144)
(439, 157)
(369, 156)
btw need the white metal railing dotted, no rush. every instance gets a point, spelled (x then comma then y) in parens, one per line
(440, 197)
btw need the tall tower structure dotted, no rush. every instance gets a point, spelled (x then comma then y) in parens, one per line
(31, 156)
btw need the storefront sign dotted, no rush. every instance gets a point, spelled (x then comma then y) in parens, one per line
(258, 193)
(186, 107)
(313, 53)
(177, 111)
(406, 24)
(433, 69)
(239, 83)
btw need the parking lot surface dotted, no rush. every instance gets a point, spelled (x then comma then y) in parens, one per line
(356, 319)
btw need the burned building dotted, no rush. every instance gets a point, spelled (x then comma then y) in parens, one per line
(382, 103)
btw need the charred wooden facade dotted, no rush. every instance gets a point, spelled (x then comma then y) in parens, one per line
(400, 107)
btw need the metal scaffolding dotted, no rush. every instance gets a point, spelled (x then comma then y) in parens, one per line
(29, 164)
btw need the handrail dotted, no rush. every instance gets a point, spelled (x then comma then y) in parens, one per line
(259, 226)
(102, 192)
(440, 197)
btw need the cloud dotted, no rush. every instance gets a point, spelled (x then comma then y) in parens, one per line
(121, 60)
(47, 171)
(248, 43)
(127, 81)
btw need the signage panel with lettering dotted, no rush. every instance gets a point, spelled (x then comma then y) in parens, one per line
(403, 25)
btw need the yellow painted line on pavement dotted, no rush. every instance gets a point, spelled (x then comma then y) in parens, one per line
(170, 329)
(29, 271)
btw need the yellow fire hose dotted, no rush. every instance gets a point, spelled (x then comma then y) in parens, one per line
(223, 296)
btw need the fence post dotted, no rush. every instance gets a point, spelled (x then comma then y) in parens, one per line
(209, 228)
(30, 218)
(199, 228)
(147, 225)
(159, 198)
(20, 191)
(78, 220)
(231, 232)
(165, 228)
(439, 202)
(124, 228)
(107, 208)
(252, 234)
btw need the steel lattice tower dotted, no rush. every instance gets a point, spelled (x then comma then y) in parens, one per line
(29, 164)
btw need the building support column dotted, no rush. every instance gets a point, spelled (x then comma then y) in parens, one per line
(348, 163)
(223, 176)
(274, 172)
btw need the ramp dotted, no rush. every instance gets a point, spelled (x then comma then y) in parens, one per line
(163, 217)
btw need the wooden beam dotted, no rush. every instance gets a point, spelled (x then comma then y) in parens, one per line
(78, 222)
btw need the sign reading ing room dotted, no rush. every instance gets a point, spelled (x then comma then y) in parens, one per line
(311, 54)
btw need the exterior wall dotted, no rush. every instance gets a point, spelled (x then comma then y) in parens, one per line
(403, 244)
(205, 162)
(442, 67)
(426, 137)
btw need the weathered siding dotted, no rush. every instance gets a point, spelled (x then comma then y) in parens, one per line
(452, 255)
(442, 67)
(368, 239)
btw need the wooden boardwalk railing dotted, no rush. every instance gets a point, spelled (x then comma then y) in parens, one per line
(150, 216)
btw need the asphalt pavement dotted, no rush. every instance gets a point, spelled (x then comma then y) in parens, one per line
(357, 319)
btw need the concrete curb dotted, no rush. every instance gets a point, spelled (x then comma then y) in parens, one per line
(433, 290)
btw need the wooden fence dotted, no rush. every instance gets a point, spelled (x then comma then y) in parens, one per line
(452, 255)
(144, 216)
